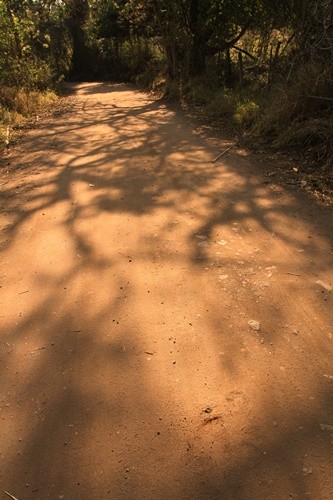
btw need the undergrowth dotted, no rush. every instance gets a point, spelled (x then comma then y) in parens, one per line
(299, 115)
(294, 114)
(19, 106)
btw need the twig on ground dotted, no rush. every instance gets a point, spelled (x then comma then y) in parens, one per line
(223, 152)
(11, 496)
(320, 97)
(209, 420)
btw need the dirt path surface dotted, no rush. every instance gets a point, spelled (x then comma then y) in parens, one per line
(130, 269)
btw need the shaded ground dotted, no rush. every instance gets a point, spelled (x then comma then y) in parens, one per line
(130, 266)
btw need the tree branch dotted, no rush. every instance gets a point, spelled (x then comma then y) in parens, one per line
(226, 45)
(244, 52)
(230, 44)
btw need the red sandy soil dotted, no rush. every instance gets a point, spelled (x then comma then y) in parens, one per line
(130, 268)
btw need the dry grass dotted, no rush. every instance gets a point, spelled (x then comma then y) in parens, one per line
(299, 115)
(19, 106)
(295, 115)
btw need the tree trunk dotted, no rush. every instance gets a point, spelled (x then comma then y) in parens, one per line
(198, 51)
(240, 69)
(198, 56)
(78, 13)
(168, 42)
(229, 68)
(18, 47)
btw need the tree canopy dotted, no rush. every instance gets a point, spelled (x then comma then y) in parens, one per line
(225, 44)
(40, 40)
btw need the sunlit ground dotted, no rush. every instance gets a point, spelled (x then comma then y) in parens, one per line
(130, 267)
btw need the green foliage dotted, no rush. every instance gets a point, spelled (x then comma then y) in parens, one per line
(246, 113)
(34, 45)
(237, 108)
(35, 52)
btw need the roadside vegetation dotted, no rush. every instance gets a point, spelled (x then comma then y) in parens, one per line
(35, 54)
(264, 69)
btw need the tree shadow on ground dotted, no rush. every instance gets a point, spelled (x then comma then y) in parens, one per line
(126, 186)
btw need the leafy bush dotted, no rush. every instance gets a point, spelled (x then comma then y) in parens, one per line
(246, 113)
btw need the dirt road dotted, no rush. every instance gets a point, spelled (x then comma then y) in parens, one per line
(130, 269)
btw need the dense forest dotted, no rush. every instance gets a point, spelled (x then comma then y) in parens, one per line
(264, 67)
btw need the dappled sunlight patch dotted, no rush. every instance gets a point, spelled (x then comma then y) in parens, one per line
(110, 233)
(36, 202)
(81, 162)
(190, 155)
(27, 354)
(265, 202)
(54, 253)
(242, 208)
(171, 197)
(83, 192)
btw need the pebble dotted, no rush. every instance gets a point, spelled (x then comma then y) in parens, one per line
(324, 285)
(255, 325)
